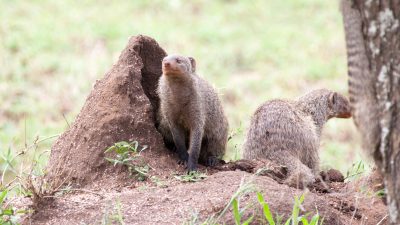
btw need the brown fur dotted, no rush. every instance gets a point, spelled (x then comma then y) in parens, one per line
(191, 115)
(289, 132)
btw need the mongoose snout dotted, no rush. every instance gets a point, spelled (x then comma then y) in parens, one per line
(176, 65)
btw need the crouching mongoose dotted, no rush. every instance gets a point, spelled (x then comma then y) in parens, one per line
(191, 115)
(289, 132)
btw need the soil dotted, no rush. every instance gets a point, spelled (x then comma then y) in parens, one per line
(122, 106)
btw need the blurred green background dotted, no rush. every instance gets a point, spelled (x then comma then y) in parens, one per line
(51, 53)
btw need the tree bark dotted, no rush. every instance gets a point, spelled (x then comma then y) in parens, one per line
(372, 29)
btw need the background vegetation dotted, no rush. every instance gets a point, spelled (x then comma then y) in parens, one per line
(51, 52)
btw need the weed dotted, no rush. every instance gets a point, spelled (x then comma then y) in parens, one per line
(128, 154)
(244, 188)
(29, 181)
(380, 193)
(238, 214)
(192, 176)
(294, 219)
(356, 170)
(8, 214)
(113, 215)
(236, 133)
(158, 182)
(268, 218)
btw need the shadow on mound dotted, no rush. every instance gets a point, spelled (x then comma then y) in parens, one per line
(121, 106)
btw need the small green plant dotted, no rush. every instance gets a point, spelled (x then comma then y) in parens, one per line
(236, 132)
(244, 188)
(294, 219)
(113, 215)
(8, 215)
(236, 146)
(128, 154)
(356, 170)
(192, 176)
(158, 182)
(27, 180)
(380, 193)
(237, 214)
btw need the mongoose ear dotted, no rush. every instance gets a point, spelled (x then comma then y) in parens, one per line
(332, 99)
(193, 64)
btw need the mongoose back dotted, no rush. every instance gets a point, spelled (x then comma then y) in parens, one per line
(191, 114)
(288, 132)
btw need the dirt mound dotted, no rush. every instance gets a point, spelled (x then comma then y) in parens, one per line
(120, 107)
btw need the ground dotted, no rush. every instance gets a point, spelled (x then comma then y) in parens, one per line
(177, 203)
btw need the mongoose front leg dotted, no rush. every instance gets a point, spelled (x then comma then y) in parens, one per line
(178, 135)
(196, 136)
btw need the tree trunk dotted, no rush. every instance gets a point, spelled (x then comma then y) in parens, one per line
(372, 29)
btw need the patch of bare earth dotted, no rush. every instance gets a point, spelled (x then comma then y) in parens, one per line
(122, 106)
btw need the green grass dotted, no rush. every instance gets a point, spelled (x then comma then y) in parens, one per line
(51, 53)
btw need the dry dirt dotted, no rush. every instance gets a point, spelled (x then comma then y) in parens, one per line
(122, 106)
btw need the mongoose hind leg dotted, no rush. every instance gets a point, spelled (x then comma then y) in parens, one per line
(211, 152)
(299, 175)
(213, 161)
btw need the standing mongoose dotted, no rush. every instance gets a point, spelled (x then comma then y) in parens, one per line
(191, 115)
(289, 132)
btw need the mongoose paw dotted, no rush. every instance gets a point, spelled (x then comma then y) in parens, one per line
(212, 161)
(183, 158)
(191, 166)
(182, 162)
(300, 180)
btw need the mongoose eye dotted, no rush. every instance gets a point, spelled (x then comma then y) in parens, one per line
(178, 61)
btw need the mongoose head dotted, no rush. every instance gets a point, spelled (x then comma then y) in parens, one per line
(338, 105)
(177, 65)
(329, 103)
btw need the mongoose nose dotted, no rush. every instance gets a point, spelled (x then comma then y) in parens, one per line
(167, 64)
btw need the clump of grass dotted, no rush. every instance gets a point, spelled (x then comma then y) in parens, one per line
(28, 181)
(244, 188)
(192, 176)
(267, 218)
(128, 154)
(8, 214)
(158, 182)
(236, 146)
(295, 219)
(113, 215)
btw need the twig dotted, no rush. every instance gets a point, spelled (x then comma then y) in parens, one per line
(66, 120)
(83, 190)
(60, 197)
(382, 219)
